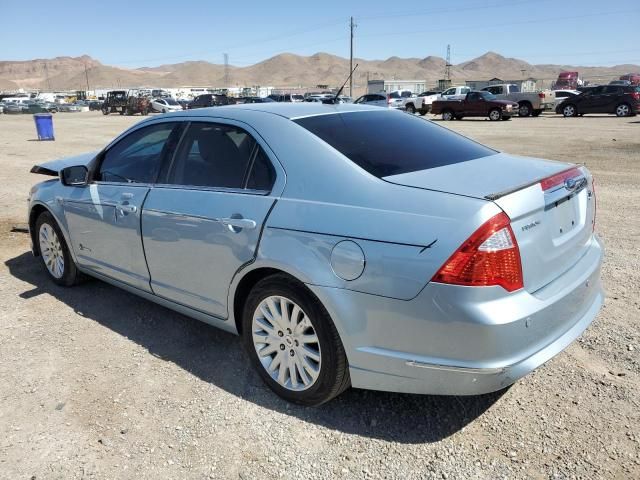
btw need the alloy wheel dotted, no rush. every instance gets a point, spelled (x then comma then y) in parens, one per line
(51, 250)
(622, 110)
(569, 111)
(286, 343)
(494, 115)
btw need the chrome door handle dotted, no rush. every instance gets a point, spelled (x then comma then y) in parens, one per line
(238, 223)
(126, 208)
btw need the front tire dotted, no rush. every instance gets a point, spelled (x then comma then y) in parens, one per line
(410, 109)
(495, 115)
(293, 343)
(54, 252)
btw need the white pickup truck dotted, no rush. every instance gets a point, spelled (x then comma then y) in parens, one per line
(421, 103)
(530, 103)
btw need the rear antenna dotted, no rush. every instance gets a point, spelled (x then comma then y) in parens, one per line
(335, 99)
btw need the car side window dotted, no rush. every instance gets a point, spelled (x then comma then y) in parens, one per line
(262, 175)
(138, 156)
(212, 155)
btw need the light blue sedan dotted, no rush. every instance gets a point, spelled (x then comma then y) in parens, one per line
(347, 245)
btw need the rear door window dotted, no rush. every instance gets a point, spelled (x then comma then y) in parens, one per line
(223, 156)
(373, 139)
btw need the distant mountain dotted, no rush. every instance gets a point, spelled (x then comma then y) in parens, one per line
(34, 73)
(283, 70)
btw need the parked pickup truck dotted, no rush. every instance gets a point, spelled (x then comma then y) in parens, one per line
(475, 104)
(421, 103)
(532, 103)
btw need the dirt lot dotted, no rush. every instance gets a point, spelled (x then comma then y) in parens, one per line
(97, 383)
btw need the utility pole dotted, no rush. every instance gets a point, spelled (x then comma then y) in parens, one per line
(352, 25)
(226, 70)
(447, 67)
(86, 76)
(46, 73)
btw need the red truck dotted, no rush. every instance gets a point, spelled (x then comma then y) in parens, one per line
(475, 104)
(632, 78)
(567, 81)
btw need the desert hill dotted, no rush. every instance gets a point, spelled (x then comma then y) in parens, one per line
(283, 70)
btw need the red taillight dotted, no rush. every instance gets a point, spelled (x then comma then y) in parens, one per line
(388, 99)
(559, 178)
(489, 257)
(636, 95)
(541, 95)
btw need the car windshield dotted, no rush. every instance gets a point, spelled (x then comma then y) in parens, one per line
(424, 145)
(171, 101)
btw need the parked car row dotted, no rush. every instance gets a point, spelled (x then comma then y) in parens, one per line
(503, 101)
(35, 106)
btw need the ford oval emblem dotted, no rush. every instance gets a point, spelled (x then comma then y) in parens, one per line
(570, 183)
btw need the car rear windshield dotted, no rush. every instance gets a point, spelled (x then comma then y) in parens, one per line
(386, 143)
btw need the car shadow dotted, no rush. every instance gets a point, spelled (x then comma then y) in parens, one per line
(218, 357)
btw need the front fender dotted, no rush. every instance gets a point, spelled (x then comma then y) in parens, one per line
(50, 196)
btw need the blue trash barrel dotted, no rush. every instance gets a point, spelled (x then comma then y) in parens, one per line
(44, 126)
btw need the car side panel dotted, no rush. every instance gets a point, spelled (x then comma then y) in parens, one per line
(402, 249)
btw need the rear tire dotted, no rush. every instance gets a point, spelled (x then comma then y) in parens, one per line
(569, 110)
(54, 252)
(410, 109)
(105, 111)
(524, 109)
(447, 115)
(280, 331)
(495, 114)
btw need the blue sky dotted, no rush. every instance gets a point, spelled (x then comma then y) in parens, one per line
(116, 32)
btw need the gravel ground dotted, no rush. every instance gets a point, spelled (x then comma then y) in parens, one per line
(97, 383)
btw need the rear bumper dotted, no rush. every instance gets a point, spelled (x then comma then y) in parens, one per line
(453, 340)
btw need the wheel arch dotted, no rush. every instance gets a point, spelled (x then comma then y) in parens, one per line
(245, 284)
(34, 213)
(37, 208)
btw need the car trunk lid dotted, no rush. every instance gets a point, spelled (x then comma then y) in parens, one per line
(551, 206)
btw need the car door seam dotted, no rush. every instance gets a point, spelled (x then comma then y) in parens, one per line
(144, 252)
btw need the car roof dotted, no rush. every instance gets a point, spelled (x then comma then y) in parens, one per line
(283, 109)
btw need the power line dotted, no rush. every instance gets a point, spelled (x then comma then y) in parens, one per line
(252, 43)
(503, 24)
(484, 6)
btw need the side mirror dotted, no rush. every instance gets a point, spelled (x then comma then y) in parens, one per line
(76, 176)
